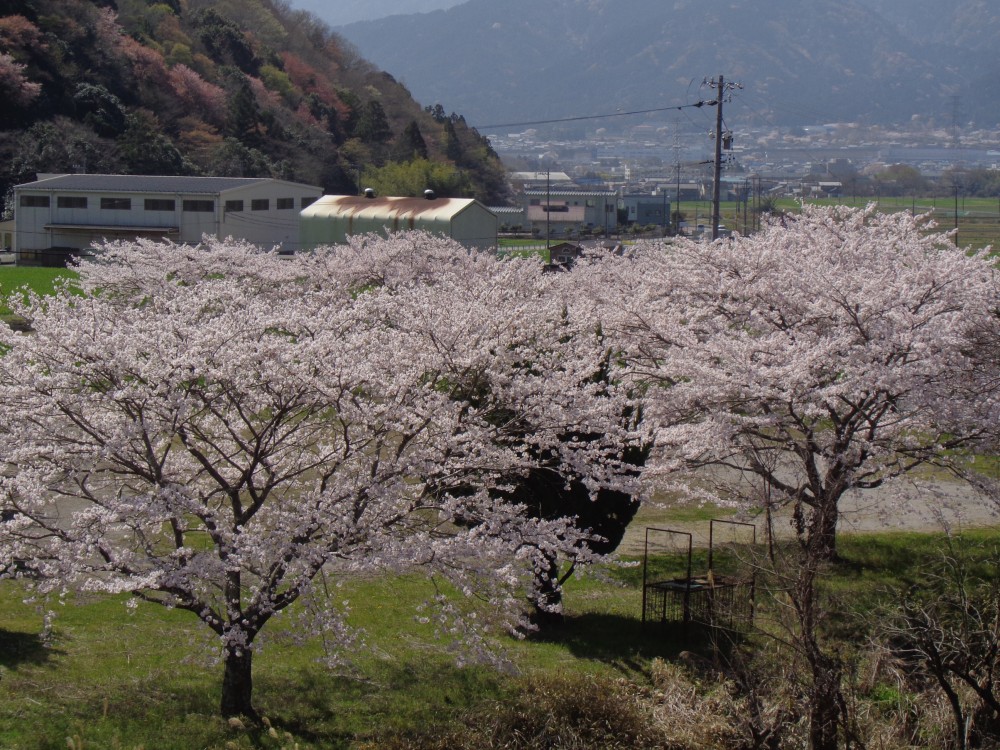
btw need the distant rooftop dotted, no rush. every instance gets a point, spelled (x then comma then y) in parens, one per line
(541, 176)
(399, 208)
(143, 183)
(571, 191)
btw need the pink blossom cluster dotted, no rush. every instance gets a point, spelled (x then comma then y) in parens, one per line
(832, 352)
(214, 427)
(14, 84)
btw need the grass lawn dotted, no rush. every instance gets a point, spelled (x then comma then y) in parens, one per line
(107, 679)
(40, 280)
(120, 680)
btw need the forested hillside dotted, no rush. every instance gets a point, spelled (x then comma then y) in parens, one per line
(215, 87)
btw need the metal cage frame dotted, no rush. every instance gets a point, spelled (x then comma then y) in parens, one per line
(711, 600)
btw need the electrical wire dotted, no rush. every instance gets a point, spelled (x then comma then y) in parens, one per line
(698, 104)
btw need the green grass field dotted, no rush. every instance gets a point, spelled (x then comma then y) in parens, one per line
(16, 278)
(978, 219)
(107, 679)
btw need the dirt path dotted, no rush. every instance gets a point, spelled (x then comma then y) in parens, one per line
(906, 506)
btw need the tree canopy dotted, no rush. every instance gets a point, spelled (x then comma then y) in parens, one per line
(829, 353)
(215, 428)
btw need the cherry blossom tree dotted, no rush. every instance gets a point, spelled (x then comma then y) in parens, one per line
(835, 351)
(14, 84)
(215, 428)
(525, 360)
(826, 354)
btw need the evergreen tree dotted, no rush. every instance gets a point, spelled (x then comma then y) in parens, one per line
(411, 144)
(373, 125)
(452, 146)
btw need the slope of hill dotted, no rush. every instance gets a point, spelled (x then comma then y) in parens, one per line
(801, 61)
(213, 87)
(968, 24)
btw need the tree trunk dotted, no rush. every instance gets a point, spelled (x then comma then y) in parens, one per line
(824, 706)
(237, 684)
(823, 531)
(825, 700)
(547, 596)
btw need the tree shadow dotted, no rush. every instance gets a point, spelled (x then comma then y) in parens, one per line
(626, 642)
(335, 710)
(22, 648)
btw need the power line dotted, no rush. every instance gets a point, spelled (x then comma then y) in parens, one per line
(577, 118)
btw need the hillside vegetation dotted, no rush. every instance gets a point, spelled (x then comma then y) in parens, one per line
(226, 88)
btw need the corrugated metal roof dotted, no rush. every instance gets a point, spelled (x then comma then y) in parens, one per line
(128, 183)
(390, 208)
(582, 193)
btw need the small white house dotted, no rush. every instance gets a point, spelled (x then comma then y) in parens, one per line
(62, 215)
(334, 218)
(563, 211)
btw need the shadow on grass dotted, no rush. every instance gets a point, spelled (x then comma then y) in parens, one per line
(334, 711)
(625, 642)
(22, 648)
(905, 558)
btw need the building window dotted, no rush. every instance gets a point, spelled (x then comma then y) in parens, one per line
(285, 203)
(71, 201)
(234, 206)
(260, 204)
(160, 204)
(306, 202)
(34, 201)
(199, 206)
(116, 204)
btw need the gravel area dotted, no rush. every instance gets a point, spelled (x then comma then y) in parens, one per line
(903, 506)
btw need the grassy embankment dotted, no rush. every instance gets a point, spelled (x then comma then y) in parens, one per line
(978, 218)
(106, 679)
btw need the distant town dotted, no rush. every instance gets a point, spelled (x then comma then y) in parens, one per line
(792, 160)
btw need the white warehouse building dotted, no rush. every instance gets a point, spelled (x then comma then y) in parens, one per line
(61, 215)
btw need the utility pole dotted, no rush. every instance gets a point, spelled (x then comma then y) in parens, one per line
(676, 225)
(721, 87)
(956, 213)
(717, 177)
(548, 210)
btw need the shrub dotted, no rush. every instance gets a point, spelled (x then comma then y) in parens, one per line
(552, 713)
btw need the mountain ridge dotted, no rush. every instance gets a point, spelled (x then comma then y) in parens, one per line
(503, 60)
